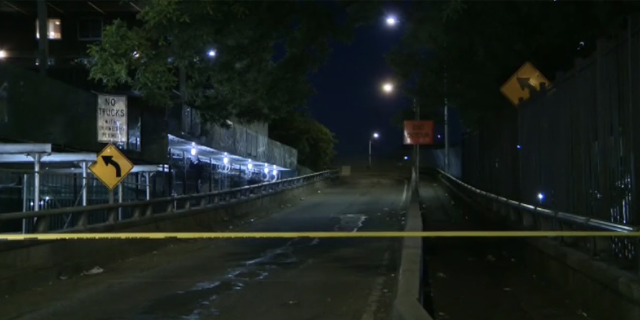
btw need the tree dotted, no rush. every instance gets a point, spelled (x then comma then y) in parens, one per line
(314, 142)
(476, 46)
(248, 78)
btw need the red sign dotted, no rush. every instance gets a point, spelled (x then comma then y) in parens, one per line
(418, 132)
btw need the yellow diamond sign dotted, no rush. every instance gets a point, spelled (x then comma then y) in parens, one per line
(111, 167)
(523, 83)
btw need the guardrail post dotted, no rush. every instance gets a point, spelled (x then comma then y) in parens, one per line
(170, 206)
(600, 245)
(83, 220)
(42, 224)
(137, 212)
(528, 222)
(112, 215)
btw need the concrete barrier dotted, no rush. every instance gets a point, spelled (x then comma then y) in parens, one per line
(407, 305)
(25, 265)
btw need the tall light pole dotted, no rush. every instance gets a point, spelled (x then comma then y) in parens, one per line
(375, 135)
(416, 147)
(446, 124)
(387, 88)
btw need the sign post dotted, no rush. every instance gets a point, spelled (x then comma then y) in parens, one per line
(112, 119)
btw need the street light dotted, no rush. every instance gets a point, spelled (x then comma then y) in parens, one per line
(387, 87)
(391, 21)
(374, 136)
(212, 53)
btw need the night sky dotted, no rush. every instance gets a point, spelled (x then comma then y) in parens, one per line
(349, 101)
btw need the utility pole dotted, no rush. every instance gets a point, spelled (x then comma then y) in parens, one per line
(369, 152)
(417, 146)
(446, 125)
(43, 40)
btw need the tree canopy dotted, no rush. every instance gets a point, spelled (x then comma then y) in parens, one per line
(477, 45)
(314, 142)
(244, 59)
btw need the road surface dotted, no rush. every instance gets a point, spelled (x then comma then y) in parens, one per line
(248, 278)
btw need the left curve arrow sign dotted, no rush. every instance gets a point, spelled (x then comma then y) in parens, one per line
(108, 160)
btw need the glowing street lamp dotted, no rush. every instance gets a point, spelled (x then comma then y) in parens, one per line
(387, 87)
(391, 21)
(375, 135)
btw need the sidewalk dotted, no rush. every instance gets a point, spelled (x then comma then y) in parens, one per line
(482, 278)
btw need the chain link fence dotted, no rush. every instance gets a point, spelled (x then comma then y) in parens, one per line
(61, 190)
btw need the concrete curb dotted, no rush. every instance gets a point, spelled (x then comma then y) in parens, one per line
(407, 305)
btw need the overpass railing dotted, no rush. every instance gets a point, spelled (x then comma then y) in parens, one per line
(81, 218)
(530, 216)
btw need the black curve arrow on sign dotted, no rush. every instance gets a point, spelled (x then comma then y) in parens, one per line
(526, 84)
(108, 160)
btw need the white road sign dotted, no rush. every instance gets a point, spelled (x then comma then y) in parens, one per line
(112, 119)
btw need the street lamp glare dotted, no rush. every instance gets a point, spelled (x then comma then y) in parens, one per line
(387, 87)
(212, 53)
(391, 21)
(376, 135)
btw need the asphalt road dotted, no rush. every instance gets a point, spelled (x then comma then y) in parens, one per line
(483, 278)
(248, 278)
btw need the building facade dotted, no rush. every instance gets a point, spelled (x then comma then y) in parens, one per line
(59, 106)
(71, 25)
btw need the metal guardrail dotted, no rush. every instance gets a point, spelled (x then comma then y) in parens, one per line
(81, 218)
(620, 251)
(564, 216)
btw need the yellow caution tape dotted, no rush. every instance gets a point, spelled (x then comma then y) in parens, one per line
(365, 234)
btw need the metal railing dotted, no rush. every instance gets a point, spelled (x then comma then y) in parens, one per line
(539, 218)
(82, 218)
